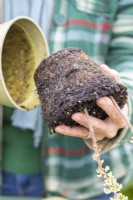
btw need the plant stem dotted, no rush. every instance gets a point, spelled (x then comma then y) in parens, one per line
(94, 141)
(96, 149)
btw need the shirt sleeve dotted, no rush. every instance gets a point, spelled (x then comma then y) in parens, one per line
(120, 58)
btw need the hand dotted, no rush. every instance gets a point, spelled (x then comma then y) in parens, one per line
(102, 128)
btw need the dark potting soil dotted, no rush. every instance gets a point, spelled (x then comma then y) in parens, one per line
(67, 81)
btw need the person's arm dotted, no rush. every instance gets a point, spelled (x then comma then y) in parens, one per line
(120, 57)
(111, 132)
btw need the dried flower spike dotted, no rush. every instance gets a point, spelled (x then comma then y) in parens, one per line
(110, 183)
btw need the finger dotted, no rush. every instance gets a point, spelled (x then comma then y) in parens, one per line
(112, 128)
(101, 128)
(111, 72)
(83, 121)
(75, 131)
(125, 109)
(82, 132)
(107, 105)
(99, 136)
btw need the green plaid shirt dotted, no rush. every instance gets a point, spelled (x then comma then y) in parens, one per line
(104, 30)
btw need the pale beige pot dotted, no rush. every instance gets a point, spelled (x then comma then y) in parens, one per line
(39, 46)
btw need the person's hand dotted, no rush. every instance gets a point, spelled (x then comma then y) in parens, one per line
(102, 128)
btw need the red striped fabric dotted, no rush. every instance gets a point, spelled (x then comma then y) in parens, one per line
(105, 26)
(67, 152)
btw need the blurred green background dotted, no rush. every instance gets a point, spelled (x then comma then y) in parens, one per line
(128, 190)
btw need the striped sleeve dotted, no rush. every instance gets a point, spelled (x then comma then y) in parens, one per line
(120, 58)
(120, 55)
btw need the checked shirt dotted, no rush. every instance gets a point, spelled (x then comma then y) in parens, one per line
(104, 30)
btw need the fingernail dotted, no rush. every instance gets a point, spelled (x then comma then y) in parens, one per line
(101, 101)
(77, 118)
(59, 129)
